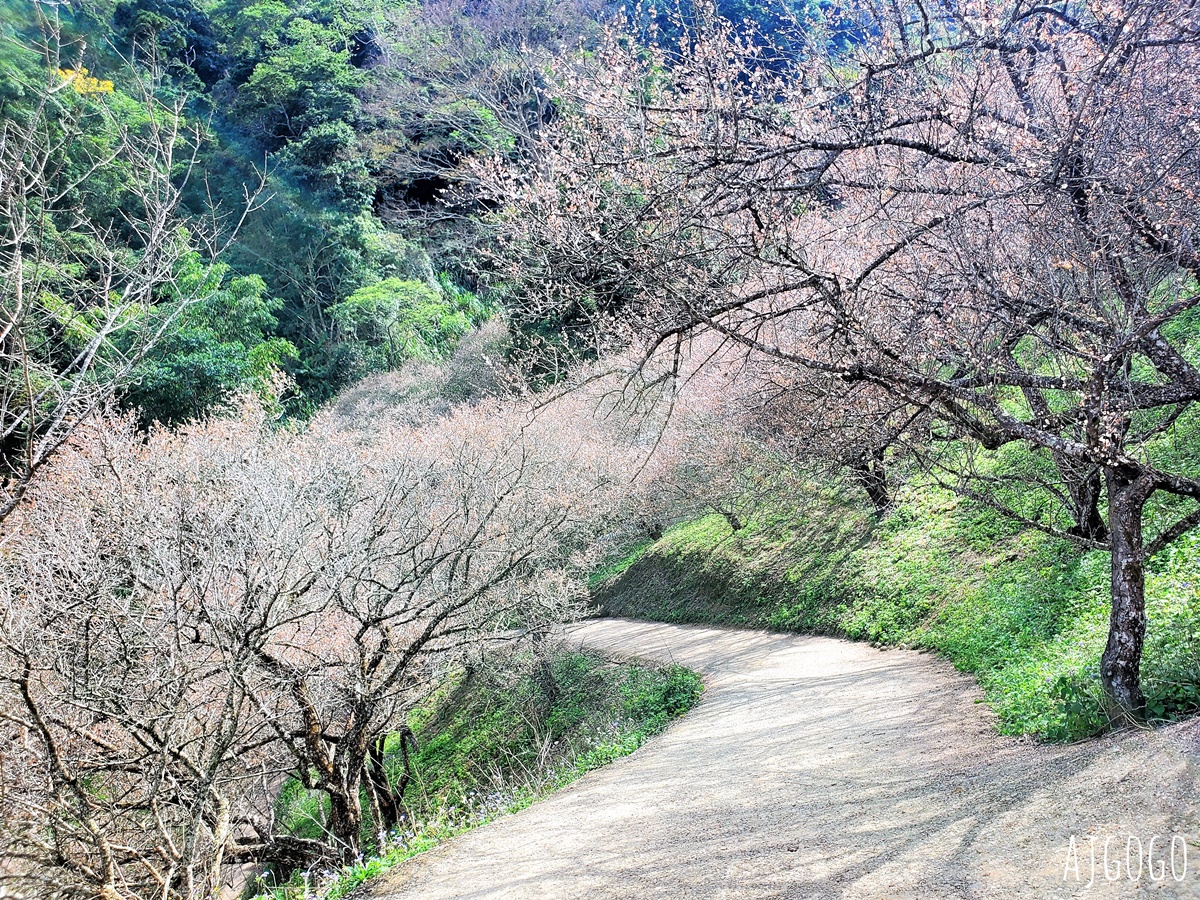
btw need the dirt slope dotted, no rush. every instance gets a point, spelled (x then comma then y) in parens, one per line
(816, 767)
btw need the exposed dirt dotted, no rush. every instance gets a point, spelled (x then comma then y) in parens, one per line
(816, 767)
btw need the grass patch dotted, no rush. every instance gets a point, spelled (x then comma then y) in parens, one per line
(620, 564)
(1026, 614)
(496, 737)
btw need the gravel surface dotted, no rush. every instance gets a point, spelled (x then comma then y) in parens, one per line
(816, 767)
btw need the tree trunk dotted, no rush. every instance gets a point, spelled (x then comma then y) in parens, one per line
(1120, 666)
(1082, 480)
(1084, 488)
(408, 742)
(388, 802)
(547, 684)
(346, 820)
(869, 471)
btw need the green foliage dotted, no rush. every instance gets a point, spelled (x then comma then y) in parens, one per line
(1024, 613)
(326, 160)
(302, 90)
(220, 347)
(396, 319)
(21, 67)
(390, 315)
(175, 32)
(93, 297)
(308, 81)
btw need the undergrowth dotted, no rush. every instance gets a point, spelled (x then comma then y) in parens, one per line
(494, 738)
(1025, 613)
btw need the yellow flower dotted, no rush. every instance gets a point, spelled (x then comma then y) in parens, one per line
(83, 83)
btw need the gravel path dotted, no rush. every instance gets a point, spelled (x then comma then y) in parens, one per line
(822, 768)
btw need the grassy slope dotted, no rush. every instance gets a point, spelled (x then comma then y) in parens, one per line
(1026, 614)
(495, 740)
(508, 734)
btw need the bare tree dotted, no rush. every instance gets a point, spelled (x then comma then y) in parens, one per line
(830, 427)
(129, 732)
(707, 447)
(191, 618)
(984, 212)
(446, 537)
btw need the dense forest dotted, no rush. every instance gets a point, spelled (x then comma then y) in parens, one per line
(349, 124)
(342, 342)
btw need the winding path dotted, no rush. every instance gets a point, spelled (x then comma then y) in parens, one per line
(821, 768)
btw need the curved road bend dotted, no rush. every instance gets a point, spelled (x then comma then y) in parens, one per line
(816, 767)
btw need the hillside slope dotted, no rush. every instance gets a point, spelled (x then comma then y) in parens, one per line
(1024, 613)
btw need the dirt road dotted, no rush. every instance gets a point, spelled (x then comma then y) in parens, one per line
(821, 768)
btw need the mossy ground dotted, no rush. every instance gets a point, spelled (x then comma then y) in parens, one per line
(1023, 612)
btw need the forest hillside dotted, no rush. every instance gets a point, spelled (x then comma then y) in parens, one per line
(353, 350)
